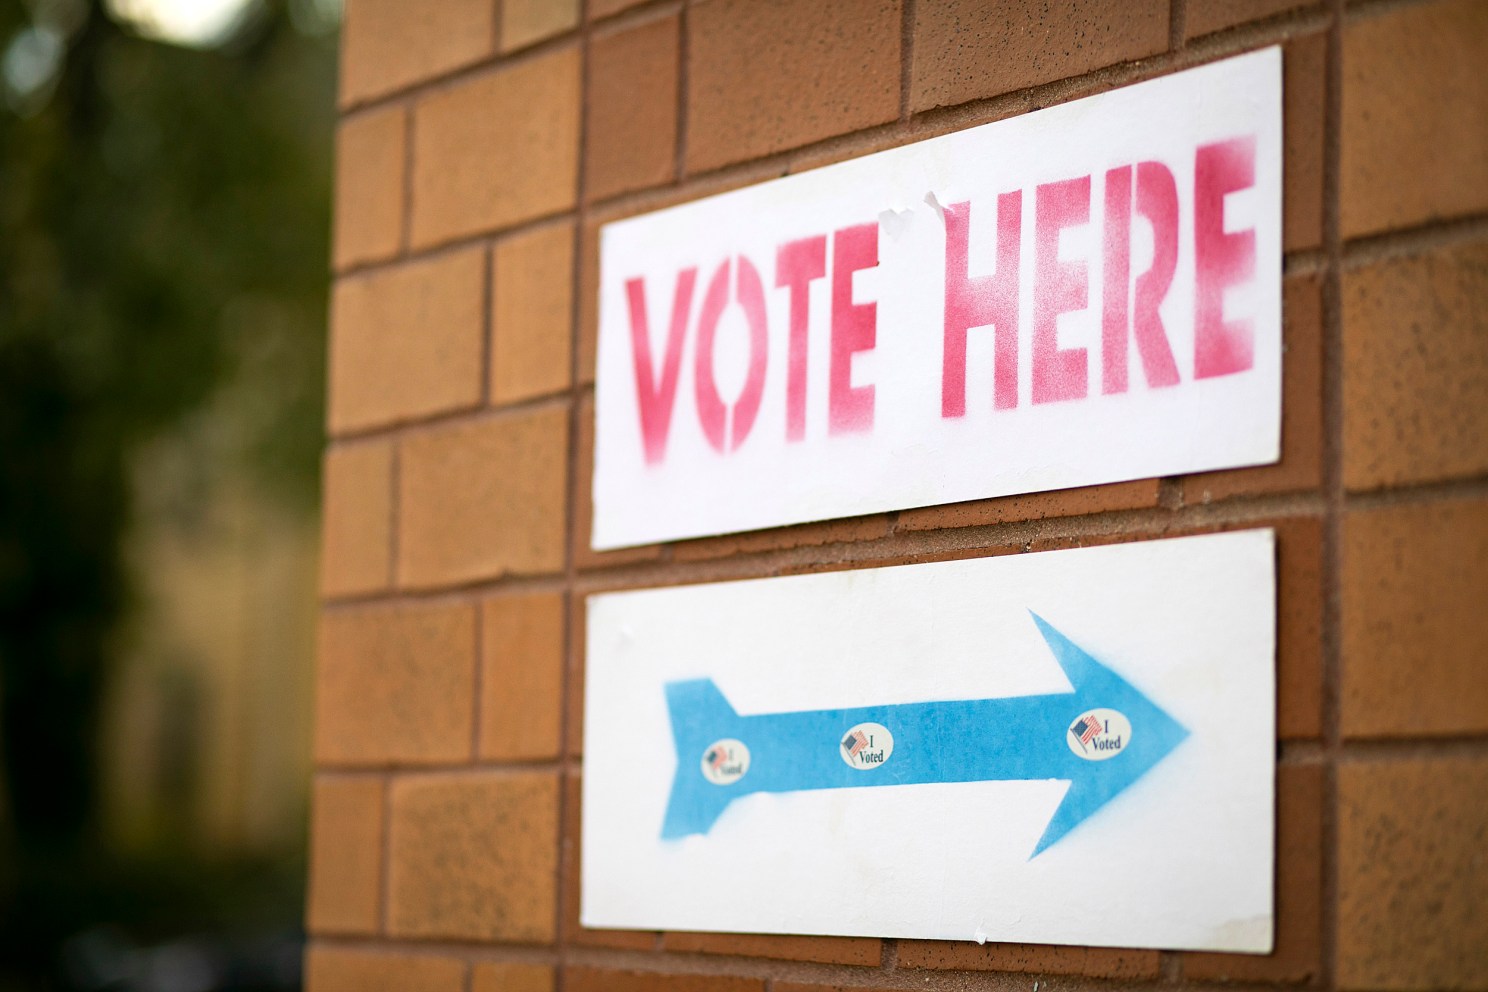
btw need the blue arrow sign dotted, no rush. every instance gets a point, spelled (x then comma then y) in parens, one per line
(1056, 736)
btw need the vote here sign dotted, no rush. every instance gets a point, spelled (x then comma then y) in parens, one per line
(1084, 294)
(1068, 747)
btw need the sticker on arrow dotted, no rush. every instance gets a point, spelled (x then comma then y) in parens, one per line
(1067, 747)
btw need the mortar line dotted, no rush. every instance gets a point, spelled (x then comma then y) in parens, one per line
(906, 59)
(1334, 492)
(406, 427)
(385, 882)
(479, 648)
(1177, 24)
(567, 860)
(1409, 242)
(405, 218)
(684, 90)
(395, 513)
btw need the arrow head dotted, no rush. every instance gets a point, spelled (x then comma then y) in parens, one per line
(1154, 735)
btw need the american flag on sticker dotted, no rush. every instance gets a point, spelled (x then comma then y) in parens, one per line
(1086, 728)
(854, 742)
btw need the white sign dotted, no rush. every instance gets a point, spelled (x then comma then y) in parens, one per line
(1085, 294)
(1070, 747)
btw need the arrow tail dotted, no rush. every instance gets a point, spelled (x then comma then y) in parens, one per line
(700, 716)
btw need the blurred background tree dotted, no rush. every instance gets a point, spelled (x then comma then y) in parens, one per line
(164, 206)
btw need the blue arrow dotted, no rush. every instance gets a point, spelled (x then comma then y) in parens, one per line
(973, 740)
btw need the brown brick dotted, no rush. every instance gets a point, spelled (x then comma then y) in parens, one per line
(1036, 959)
(605, 8)
(1414, 97)
(1411, 874)
(1415, 355)
(631, 141)
(1304, 87)
(389, 44)
(1033, 506)
(341, 969)
(522, 678)
(1301, 464)
(406, 342)
(484, 498)
(532, 307)
(573, 931)
(582, 979)
(512, 978)
(526, 22)
(356, 522)
(345, 856)
(861, 951)
(497, 150)
(474, 857)
(766, 75)
(370, 158)
(968, 49)
(1299, 627)
(1207, 16)
(573, 703)
(1299, 889)
(396, 684)
(584, 556)
(1414, 627)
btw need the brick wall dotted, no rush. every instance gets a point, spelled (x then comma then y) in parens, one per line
(483, 143)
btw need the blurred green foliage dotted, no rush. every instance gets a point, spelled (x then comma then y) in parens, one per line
(164, 216)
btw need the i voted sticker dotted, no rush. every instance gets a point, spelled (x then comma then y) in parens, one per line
(1099, 734)
(725, 761)
(866, 746)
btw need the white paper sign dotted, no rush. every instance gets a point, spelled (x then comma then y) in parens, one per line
(1085, 294)
(1068, 747)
